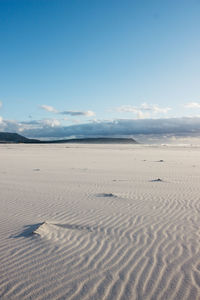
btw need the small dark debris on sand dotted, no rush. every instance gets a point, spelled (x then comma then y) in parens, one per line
(157, 180)
(161, 160)
(106, 195)
(120, 179)
(36, 170)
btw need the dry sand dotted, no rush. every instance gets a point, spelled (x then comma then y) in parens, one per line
(99, 222)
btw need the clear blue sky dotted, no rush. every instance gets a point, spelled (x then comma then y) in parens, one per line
(105, 56)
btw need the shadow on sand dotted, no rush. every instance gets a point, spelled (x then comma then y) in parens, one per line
(28, 230)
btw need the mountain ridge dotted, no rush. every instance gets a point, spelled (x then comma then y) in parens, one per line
(9, 137)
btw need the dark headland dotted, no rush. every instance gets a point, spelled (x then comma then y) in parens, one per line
(7, 137)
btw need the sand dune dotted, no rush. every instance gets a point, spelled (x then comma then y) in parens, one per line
(127, 227)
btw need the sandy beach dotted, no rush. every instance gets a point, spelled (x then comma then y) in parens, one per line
(99, 222)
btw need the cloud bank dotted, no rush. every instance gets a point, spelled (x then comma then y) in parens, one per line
(52, 129)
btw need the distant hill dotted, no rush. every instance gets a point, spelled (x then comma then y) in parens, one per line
(6, 137)
(99, 141)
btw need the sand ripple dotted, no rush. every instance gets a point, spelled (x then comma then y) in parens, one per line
(132, 238)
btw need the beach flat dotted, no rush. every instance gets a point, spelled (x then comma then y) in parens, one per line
(99, 222)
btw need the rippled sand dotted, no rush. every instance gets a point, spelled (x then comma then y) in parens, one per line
(99, 222)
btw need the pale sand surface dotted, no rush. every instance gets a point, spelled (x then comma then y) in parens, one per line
(111, 230)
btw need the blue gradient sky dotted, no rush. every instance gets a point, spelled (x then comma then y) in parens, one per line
(105, 56)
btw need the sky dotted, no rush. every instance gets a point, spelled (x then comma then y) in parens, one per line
(74, 68)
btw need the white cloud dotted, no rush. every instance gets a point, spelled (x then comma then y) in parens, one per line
(72, 113)
(128, 108)
(144, 110)
(131, 109)
(156, 109)
(50, 122)
(49, 108)
(192, 105)
(27, 126)
(88, 113)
